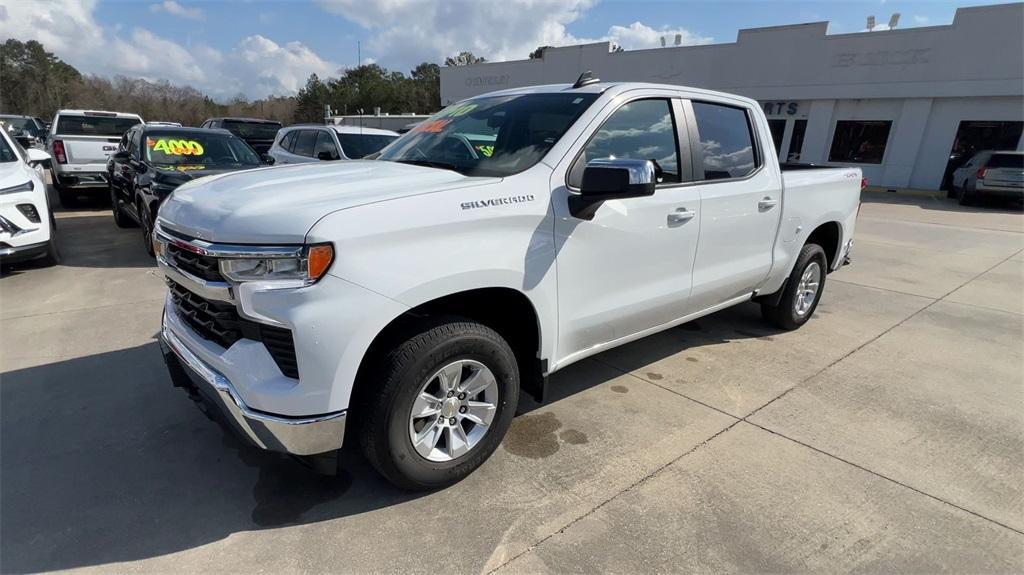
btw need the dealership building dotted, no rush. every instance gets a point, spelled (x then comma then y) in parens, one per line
(905, 105)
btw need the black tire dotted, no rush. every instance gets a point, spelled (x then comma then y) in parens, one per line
(784, 313)
(121, 220)
(68, 198)
(147, 228)
(967, 196)
(52, 256)
(390, 386)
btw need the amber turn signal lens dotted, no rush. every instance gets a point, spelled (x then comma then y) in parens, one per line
(319, 258)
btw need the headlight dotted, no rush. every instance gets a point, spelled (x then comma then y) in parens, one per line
(308, 268)
(26, 187)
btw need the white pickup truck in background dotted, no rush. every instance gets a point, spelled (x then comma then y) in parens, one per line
(80, 142)
(404, 303)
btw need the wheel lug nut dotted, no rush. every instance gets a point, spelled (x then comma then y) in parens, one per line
(462, 395)
(440, 419)
(452, 421)
(451, 393)
(462, 409)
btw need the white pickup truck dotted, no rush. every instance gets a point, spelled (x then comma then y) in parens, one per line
(80, 142)
(406, 302)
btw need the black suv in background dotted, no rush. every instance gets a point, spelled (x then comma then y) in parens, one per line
(151, 161)
(257, 133)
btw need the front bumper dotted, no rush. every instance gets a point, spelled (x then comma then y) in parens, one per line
(294, 435)
(11, 254)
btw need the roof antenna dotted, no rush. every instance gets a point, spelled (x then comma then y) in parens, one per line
(587, 78)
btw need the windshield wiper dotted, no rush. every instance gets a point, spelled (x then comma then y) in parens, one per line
(431, 164)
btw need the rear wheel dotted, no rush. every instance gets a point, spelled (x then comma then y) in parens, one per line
(438, 404)
(967, 196)
(121, 220)
(68, 198)
(802, 292)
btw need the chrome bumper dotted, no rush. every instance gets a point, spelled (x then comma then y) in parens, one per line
(294, 435)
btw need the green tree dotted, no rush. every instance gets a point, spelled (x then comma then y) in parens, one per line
(463, 59)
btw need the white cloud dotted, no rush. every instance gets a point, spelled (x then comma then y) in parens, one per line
(638, 36)
(406, 32)
(256, 67)
(174, 9)
(921, 20)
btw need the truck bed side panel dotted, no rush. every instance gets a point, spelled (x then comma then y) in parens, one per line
(811, 198)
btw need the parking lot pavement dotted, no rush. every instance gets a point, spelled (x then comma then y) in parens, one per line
(885, 435)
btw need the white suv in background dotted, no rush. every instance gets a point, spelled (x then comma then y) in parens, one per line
(26, 222)
(312, 143)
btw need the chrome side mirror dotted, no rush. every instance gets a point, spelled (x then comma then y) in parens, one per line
(611, 179)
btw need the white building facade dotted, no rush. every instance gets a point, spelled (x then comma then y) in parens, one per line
(906, 105)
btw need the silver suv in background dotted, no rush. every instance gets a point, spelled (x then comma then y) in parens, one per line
(313, 143)
(80, 142)
(990, 173)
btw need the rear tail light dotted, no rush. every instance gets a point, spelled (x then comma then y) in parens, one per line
(58, 152)
(981, 173)
(863, 183)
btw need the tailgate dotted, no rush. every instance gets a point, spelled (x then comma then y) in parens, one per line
(1004, 177)
(88, 149)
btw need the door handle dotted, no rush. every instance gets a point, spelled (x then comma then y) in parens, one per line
(681, 215)
(766, 203)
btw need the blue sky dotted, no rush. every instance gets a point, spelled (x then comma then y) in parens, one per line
(257, 48)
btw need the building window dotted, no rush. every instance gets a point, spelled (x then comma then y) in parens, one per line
(859, 141)
(778, 129)
(796, 141)
(726, 141)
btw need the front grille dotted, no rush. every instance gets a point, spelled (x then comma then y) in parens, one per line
(203, 267)
(215, 321)
(220, 323)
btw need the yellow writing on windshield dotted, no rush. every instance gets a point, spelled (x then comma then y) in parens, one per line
(175, 147)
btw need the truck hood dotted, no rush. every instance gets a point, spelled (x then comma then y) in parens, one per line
(279, 205)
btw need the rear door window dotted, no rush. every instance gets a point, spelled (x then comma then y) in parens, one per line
(304, 143)
(726, 141)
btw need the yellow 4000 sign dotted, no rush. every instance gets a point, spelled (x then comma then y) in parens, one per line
(176, 147)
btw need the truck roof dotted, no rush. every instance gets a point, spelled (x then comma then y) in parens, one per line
(97, 113)
(612, 88)
(368, 131)
(239, 119)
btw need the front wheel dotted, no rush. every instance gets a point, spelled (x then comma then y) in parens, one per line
(147, 229)
(803, 290)
(52, 255)
(438, 404)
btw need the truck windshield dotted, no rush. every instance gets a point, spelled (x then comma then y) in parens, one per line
(198, 149)
(253, 130)
(491, 136)
(94, 125)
